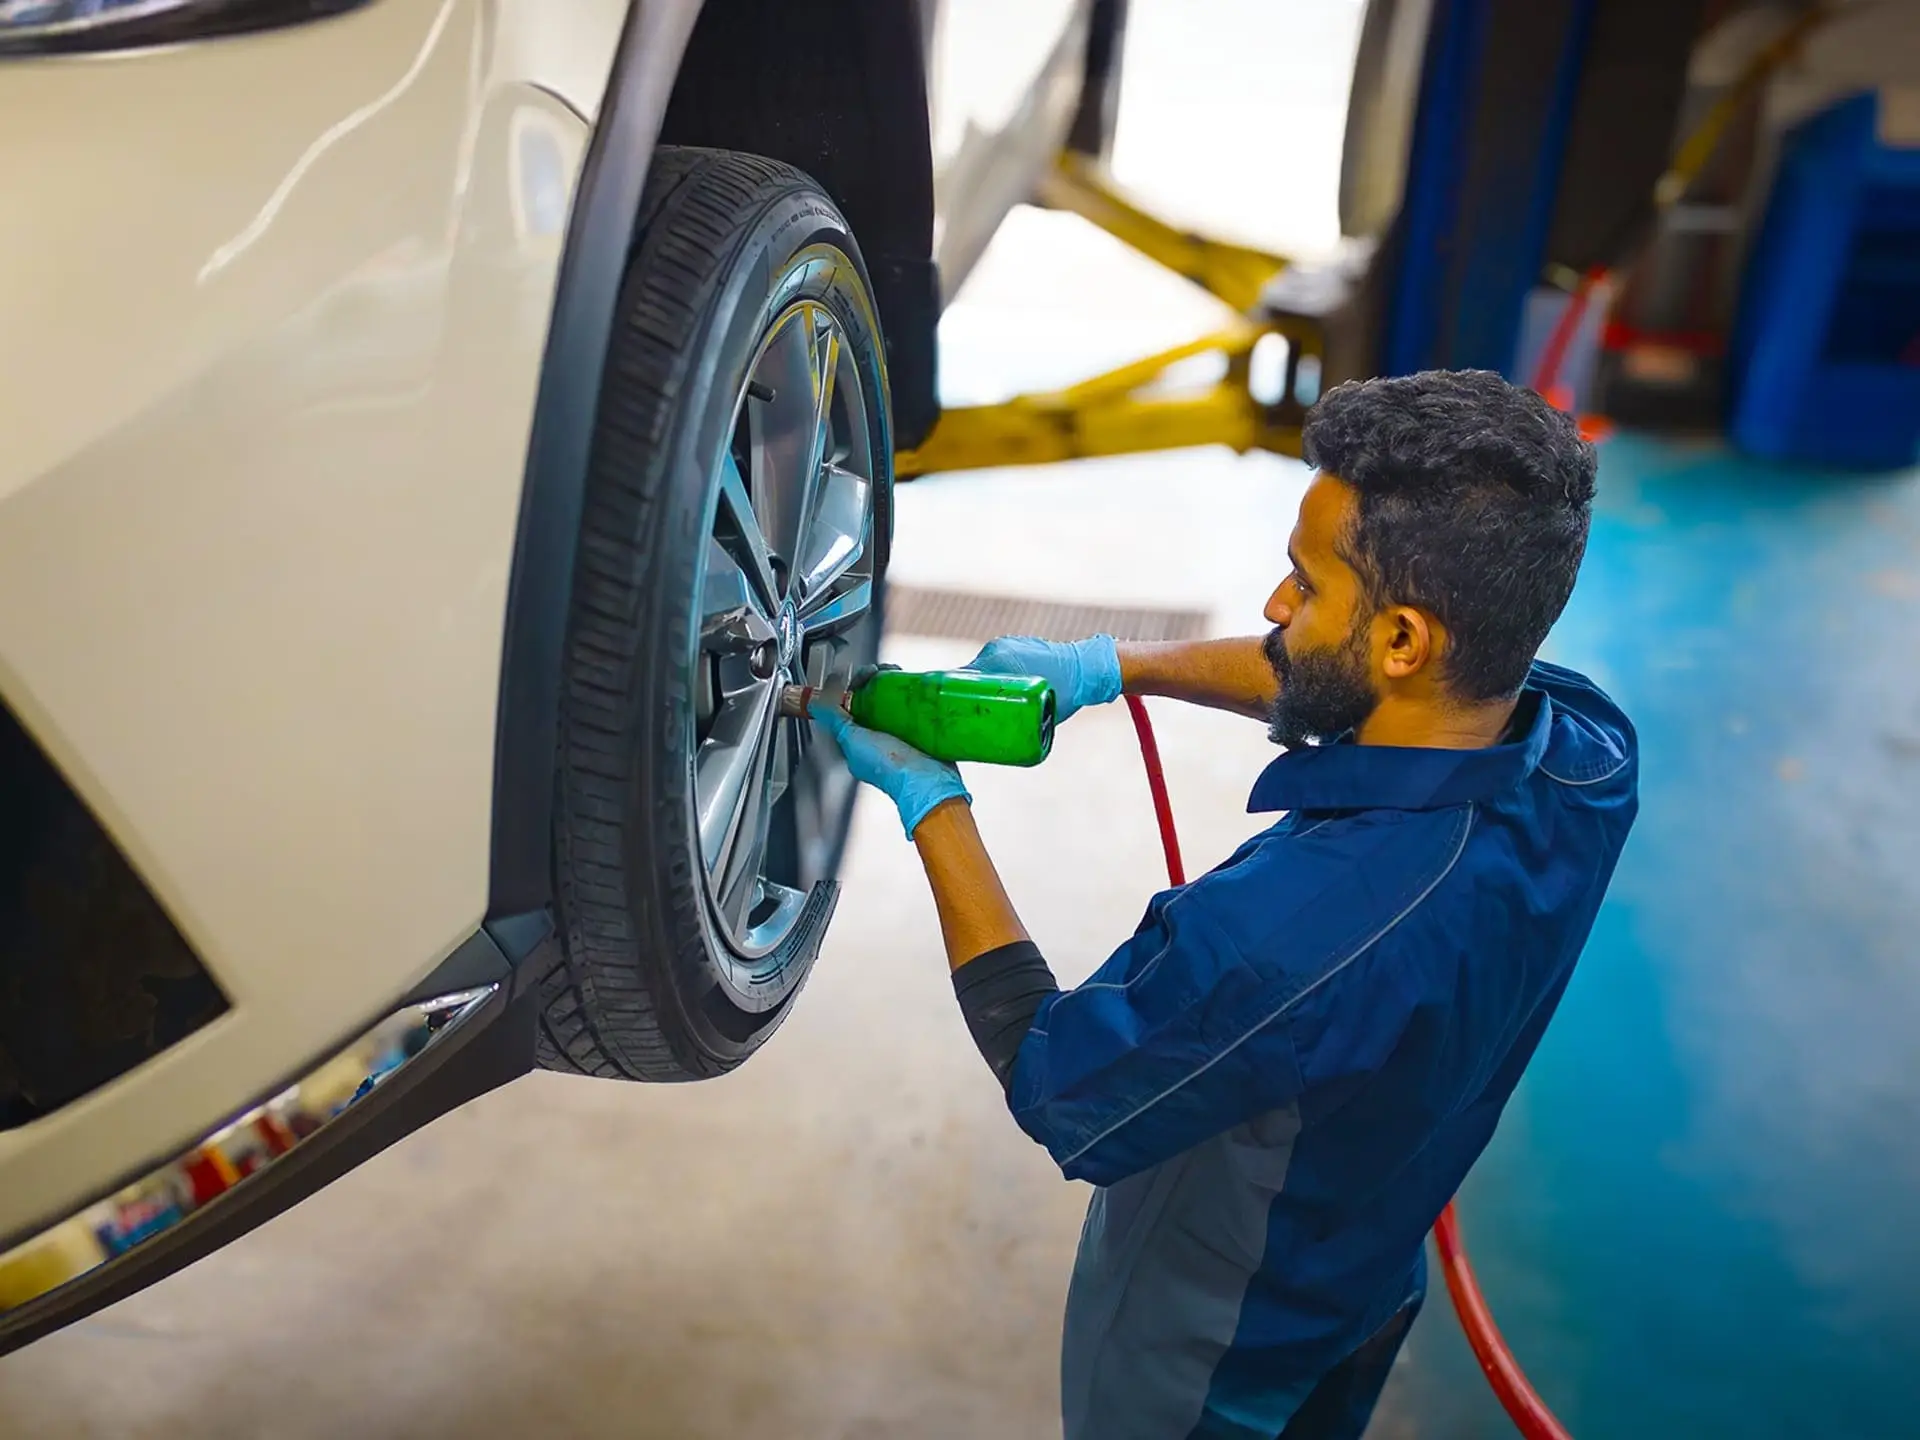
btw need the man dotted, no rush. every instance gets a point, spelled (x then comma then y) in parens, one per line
(1279, 1081)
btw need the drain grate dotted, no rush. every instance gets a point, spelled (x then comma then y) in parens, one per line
(969, 615)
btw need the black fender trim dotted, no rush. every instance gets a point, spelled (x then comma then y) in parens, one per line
(606, 204)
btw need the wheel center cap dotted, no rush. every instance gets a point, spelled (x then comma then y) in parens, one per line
(788, 628)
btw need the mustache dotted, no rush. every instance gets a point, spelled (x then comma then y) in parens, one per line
(1274, 647)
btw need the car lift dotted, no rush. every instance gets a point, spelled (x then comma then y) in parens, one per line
(1312, 308)
(1112, 413)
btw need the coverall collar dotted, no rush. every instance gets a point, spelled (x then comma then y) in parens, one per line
(1346, 775)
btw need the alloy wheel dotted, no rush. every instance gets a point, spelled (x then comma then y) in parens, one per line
(787, 574)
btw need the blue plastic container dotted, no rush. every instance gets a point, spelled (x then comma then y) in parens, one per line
(1825, 353)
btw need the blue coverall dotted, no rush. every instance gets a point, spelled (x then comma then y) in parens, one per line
(1278, 1082)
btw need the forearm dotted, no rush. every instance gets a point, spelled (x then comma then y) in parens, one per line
(975, 914)
(1223, 674)
(999, 977)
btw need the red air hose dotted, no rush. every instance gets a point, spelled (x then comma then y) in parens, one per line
(1528, 1412)
(1546, 374)
(1521, 1402)
(1157, 784)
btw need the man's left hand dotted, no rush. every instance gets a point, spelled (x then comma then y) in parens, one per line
(1086, 672)
(916, 783)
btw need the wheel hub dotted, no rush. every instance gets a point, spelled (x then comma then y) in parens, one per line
(787, 628)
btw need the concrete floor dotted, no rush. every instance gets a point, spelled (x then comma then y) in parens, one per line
(1697, 1216)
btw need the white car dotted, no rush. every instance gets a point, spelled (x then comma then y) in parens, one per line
(431, 433)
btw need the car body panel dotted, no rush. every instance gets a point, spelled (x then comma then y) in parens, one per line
(266, 383)
(570, 51)
(276, 318)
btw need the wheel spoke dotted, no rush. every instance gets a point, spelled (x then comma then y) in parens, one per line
(787, 903)
(837, 610)
(788, 432)
(738, 880)
(731, 621)
(821, 790)
(826, 366)
(725, 771)
(737, 529)
(836, 531)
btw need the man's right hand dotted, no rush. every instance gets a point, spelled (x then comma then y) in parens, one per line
(1086, 672)
(916, 783)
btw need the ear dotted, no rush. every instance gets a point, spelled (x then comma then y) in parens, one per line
(1413, 642)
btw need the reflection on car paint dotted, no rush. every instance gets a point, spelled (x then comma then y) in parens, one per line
(541, 174)
(270, 208)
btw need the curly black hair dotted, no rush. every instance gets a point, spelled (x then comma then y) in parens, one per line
(1474, 500)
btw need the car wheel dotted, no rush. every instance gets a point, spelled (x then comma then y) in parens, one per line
(734, 540)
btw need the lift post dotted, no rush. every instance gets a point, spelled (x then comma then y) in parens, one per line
(1119, 413)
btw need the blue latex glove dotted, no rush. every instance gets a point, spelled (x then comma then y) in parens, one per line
(1087, 672)
(913, 781)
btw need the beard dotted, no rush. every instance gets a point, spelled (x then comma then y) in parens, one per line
(1323, 693)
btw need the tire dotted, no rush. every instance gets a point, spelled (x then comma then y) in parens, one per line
(745, 300)
(1098, 110)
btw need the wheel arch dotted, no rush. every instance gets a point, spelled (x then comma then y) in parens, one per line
(837, 88)
(676, 63)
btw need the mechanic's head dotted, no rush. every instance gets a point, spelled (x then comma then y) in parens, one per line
(1434, 550)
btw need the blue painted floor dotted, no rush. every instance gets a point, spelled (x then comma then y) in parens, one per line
(1701, 1216)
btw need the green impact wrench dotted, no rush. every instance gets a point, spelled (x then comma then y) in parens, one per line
(952, 715)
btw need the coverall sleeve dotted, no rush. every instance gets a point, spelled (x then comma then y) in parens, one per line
(1173, 1040)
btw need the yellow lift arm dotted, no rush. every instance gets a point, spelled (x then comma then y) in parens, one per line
(1109, 414)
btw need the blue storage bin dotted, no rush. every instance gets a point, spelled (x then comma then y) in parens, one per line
(1825, 353)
